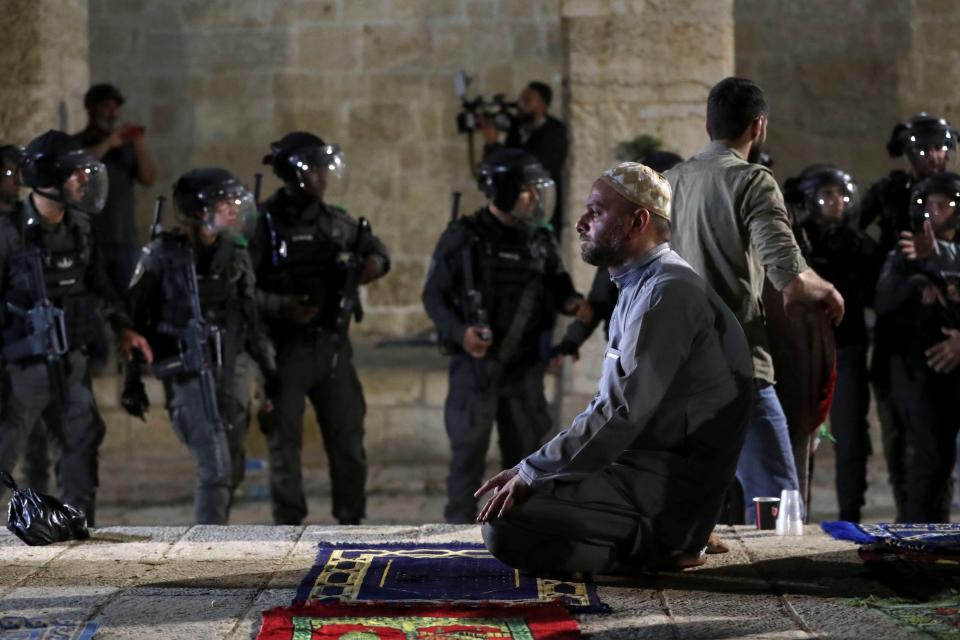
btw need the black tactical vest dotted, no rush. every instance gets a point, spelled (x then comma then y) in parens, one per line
(217, 286)
(66, 257)
(506, 267)
(303, 260)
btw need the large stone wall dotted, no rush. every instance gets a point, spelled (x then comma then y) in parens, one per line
(45, 61)
(634, 67)
(838, 76)
(216, 81)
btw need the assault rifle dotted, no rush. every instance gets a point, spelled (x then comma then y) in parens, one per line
(47, 331)
(350, 306)
(474, 312)
(199, 341)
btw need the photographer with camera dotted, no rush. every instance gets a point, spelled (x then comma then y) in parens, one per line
(826, 199)
(539, 134)
(494, 287)
(920, 299)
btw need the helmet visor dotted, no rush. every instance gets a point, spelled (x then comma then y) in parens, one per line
(835, 201)
(931, 138)
(321, 171)
(228, 209)
(86, 183)
(939, 207)
(536, 200)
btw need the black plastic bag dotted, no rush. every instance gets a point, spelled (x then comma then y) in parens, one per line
(39, 519)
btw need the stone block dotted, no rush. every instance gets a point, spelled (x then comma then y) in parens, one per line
(185, 614)
(374, 423)
(58, 603)
(217, 15)
(292, 12)
(412, 160)
(264, 50)
(332, 48)
(380, 122)
(395, 46)
(431, 10)
(390, 387)
(210, 543)
(436, 386)
(365, 11)
(306, 86)
(393, 322)
(528, 40)
(548, 11)
(393, 87)
(416, 429)
(307, 116)
(106, 389)
(481, 9)
(516, 10)
(584, 8)
(455, 47)
(401, 287)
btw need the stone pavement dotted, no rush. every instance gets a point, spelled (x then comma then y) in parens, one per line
(213, 582)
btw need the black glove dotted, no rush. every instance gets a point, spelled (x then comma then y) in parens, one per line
(565, 348)
(134, 398)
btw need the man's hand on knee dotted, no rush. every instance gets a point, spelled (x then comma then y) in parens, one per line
(509, 489)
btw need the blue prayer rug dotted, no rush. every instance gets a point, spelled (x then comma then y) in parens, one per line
(45, 628)
(937, 538)
(458, 572)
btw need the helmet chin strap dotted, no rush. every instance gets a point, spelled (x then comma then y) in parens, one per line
(58, 198)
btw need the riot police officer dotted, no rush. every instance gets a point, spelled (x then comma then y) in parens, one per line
(50, 246)
(922, 301)
(494, 287)
(310, 257)
(827, 199)
(36, 457)
(925, 141)
(193, 293)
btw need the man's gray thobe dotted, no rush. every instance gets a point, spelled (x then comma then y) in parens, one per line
(639, 476)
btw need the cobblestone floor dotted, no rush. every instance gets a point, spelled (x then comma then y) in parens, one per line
(214, 582)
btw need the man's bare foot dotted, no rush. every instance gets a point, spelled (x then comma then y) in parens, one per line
(679, 563)
(716, 545)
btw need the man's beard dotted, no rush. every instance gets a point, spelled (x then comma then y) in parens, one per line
(756, 150)
(605, 251)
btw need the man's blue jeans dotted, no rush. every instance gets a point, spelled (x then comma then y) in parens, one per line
(766, 464)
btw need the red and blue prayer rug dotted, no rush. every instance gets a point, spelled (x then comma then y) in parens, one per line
(456, 572)
(419, 622)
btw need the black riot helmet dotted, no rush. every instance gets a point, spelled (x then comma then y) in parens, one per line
(922, 133)
(923, 208)
(506, 173)
(56, 167)
(213, 198)
(806, 190)
(318, 169)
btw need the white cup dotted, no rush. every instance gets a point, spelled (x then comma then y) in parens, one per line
(790, 517)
